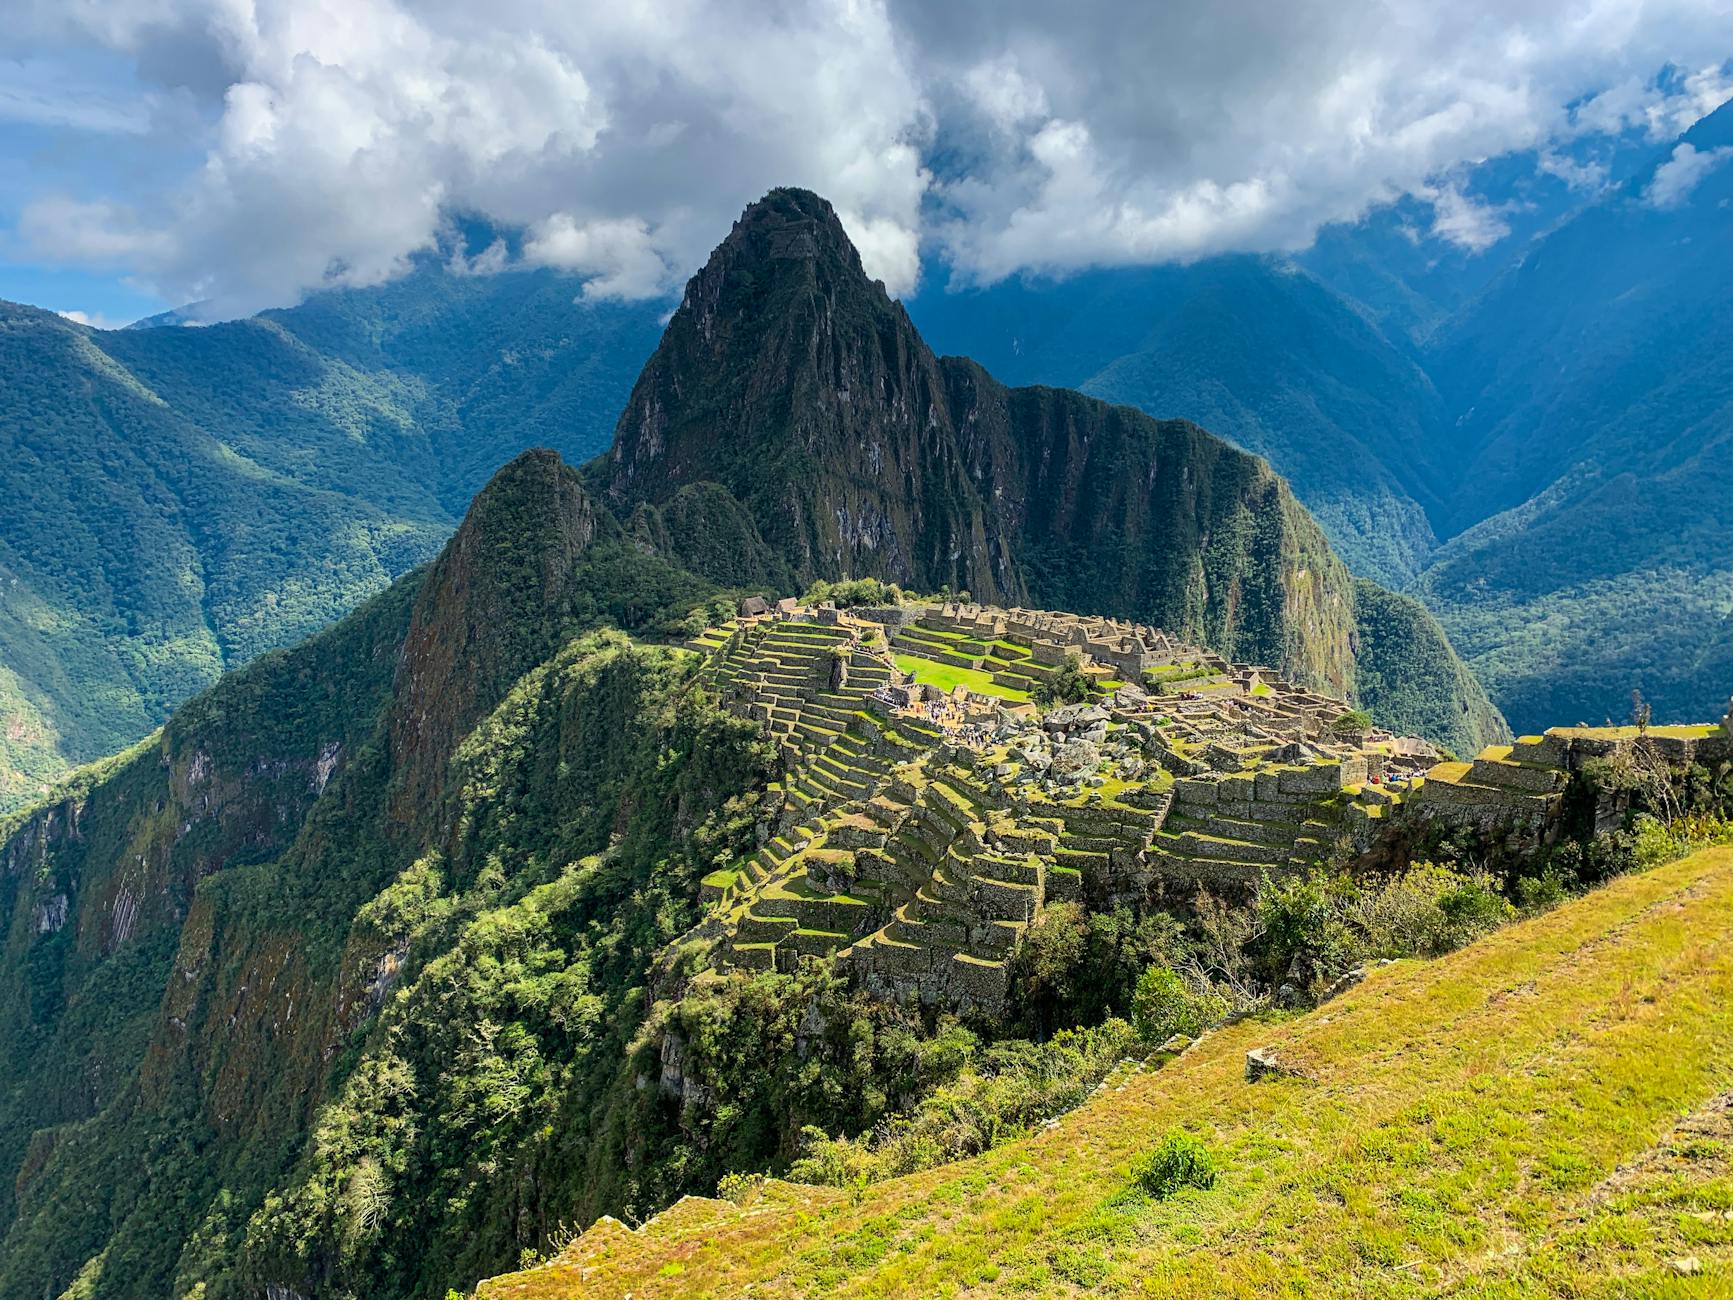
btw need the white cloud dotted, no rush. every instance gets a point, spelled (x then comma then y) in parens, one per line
(334, 138)
(1460, 220)
(339, 135)
(1177, 132)
(96, 320)
(1004, 94)
(492, 259)
(1661, 111)
(617, 257)
(1674, 179)
(1578, 175)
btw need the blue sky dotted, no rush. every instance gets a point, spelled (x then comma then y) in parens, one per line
(160, 152)
(37, 157)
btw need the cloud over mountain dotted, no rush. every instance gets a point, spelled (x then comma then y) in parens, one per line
(254, 152)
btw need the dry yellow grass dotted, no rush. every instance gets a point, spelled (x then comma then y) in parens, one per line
(1533, 1116)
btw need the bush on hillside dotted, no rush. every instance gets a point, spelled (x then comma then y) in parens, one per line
(1181, 1161)
(1015, 1086)
(1077, 967)
(1300, 928)
(1164, 1005)
(1312, 928)
(1426, 911)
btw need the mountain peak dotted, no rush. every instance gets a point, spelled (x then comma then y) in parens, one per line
(782, 350)
(791, 225)
(491, 607)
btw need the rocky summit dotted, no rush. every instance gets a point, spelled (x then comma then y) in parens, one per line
(793, 413)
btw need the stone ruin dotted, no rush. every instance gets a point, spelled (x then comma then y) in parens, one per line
(924, 825)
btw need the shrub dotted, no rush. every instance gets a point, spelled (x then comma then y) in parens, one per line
(1426, 911)
(1653, 844)
(1077, 968)
(741, 1188)
(1162, 1006)
(1471, 906)
(1016, 1086)
(1067, 686)
(1300, 926)
(1180, 1161)
(1544, 891)
(1313, 927)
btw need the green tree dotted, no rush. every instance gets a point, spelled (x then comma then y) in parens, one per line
(1069, 685)
(1164, 1005)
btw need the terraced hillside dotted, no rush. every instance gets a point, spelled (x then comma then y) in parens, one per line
(1546, 1112)
(930, 814)
(927, 816)
(852, 451)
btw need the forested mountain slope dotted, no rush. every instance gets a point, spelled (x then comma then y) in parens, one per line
(1595, 382)
(181, 499)
(195, 929)
(1256, 351)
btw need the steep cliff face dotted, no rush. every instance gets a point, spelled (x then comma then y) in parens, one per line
(797, 385)
(1117, 513)
(492, 607)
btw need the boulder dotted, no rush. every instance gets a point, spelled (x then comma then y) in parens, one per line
(1075, 717)
(1076, 759)
(1263, 1063)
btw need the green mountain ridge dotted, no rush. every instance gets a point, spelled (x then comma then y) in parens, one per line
(184, 499)
(1255, 350)
(1599, 402)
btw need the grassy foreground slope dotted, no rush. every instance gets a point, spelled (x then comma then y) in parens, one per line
(1542, 1113)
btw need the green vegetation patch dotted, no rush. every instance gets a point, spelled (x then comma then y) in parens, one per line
(1178, 1163)
(947, 677)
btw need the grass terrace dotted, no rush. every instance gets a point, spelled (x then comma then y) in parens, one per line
(947, 677)
(1689, 731)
